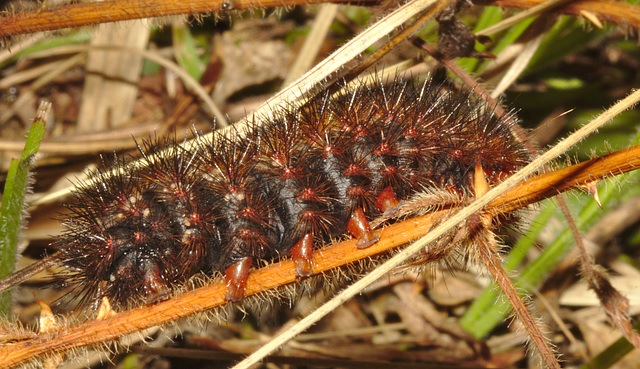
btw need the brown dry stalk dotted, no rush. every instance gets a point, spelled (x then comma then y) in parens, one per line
(86, 14)
(486, 249)
(488, 254)
(283, 273)
(616, 12)
(561, 180)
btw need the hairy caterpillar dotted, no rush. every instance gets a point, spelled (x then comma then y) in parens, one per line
(308, 174)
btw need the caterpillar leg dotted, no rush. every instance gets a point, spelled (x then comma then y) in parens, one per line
(302, 255)
(154, 286)
(236, 277)
(360, 228)
(387, 201)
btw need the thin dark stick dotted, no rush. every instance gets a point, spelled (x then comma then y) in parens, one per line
(28, 272)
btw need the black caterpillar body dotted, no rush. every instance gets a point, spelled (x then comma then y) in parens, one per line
(132, 236)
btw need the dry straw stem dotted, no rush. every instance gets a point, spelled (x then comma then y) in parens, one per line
(296, 92)
(334, 256)
(189, 81)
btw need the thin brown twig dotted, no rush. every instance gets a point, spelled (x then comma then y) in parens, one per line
(291, 360)
(28, 272)
(550, 184)
(92, 13)
(486, 249)
(87, 14)
(283, 273)
(490, 258)
(615, 12)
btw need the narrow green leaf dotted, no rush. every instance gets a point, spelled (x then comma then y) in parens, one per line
(12, 207)
(185, 47)
(612, 354)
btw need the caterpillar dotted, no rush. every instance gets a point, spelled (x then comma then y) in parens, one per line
(307, 175)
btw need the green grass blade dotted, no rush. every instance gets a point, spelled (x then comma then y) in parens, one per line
(612, 354)
(185, 47)
(12, 206)
(47, 44)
